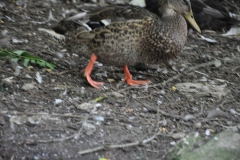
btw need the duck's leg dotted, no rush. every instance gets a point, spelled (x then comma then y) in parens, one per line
(88, 70)
(130, 81)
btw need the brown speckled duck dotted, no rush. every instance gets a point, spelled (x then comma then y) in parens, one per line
(134, 36)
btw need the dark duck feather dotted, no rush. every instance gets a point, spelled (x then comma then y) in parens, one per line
(212, 15)
(208, 14)
(135, 35)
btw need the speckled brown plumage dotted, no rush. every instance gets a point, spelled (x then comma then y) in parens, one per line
(135, 36)
(128, 42)
(144, 38)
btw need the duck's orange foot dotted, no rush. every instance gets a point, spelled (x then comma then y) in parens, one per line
(130, 81)
(93, 83)
(88, 71)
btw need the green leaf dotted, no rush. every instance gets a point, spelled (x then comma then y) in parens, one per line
(41, 63)
(26, 57)
(99, 99)
(4, 53)
(15, 59)
(26, 62)
(18, 52)
(32, 61)
(50, 65)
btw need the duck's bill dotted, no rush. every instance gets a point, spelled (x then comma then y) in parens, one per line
(189, 17)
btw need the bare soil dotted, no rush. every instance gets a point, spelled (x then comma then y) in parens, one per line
(46, 122)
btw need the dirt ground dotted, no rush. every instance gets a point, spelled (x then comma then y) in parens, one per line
(59, 119)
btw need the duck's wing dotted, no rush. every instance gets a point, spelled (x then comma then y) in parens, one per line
(209, 8)
(93, 19)
(209, 13)
(226, 15)
(119, 13)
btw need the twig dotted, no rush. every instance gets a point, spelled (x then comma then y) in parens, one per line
(115, 146)
(67, 71)
(60, 139)
(51, 140)
(170, 115)
(153, 109)
(4, 10)
(201, 73)
(59, 115)
(229, 60)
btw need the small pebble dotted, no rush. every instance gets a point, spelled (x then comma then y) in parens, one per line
(173, 143)
(207, 132)
(198, 125)
(57, 101)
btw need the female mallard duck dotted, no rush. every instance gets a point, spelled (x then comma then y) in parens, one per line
(208, 13)
(135, 36)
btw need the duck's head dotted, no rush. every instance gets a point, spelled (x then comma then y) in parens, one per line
(182, 7)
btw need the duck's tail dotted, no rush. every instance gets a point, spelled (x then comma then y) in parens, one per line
(59, 31)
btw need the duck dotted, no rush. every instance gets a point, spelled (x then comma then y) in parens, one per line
(208, 13)
(212, 15)
(135, 35)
